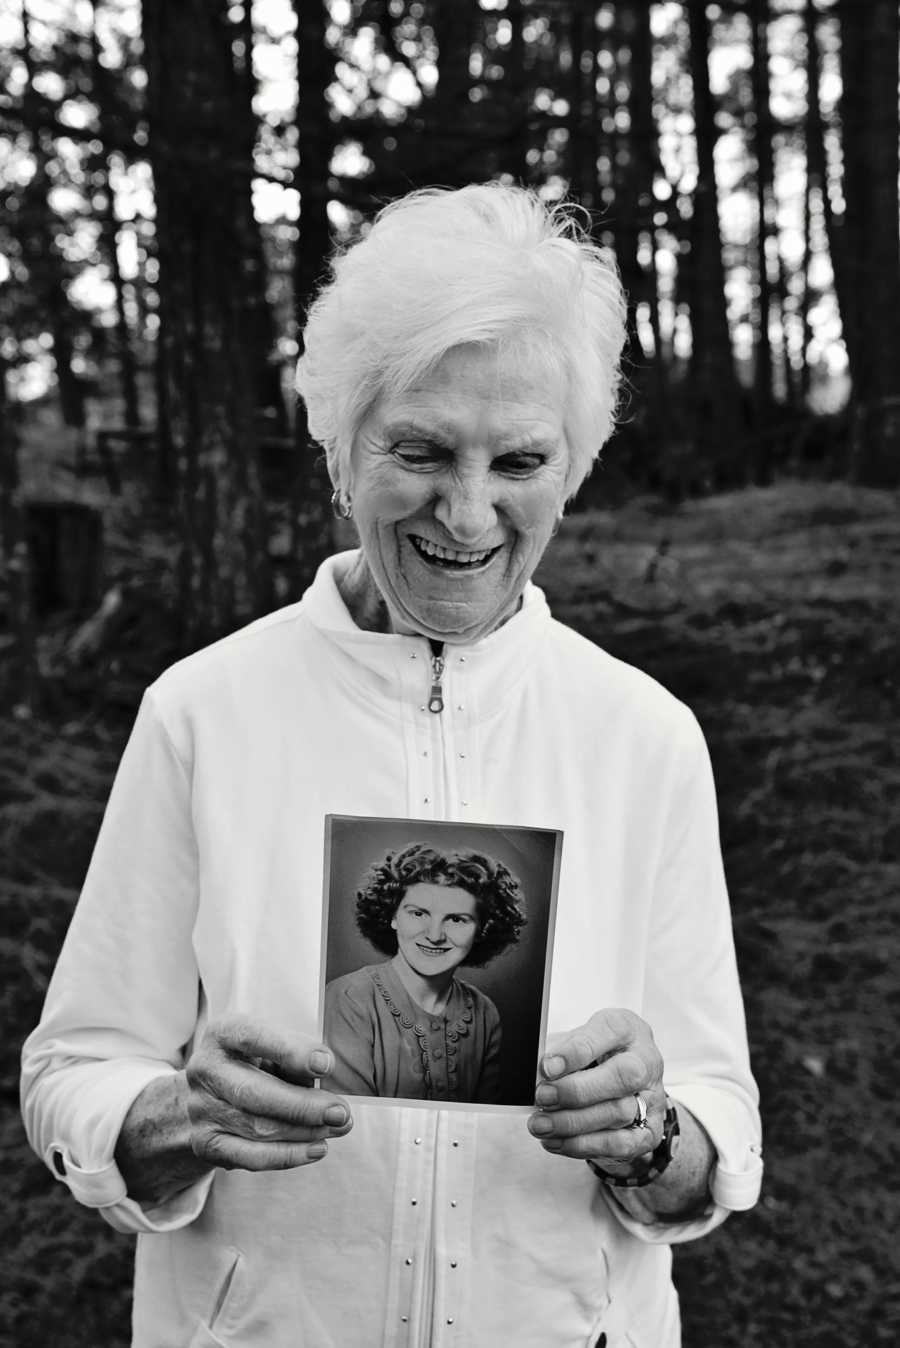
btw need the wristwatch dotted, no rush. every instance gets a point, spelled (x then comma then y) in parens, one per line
(652, 1166)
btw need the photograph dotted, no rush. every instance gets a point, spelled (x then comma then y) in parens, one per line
(436, 952)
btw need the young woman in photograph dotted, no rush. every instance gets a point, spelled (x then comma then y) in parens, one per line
(409, 1027)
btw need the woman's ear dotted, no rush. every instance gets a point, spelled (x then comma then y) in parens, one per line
(394, 922)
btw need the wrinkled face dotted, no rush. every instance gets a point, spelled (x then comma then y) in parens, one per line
(456, 486)
(436, 926)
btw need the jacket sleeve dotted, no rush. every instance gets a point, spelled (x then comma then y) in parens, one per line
(123, 1001)
(692, 997)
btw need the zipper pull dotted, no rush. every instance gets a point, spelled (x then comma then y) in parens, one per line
(436, 697)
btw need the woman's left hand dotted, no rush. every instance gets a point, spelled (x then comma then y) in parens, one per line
(586, 1098)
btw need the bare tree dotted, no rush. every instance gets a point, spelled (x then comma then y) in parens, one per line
(871, 253)
(109, 229)
(310, 485)
(765, 214)
(41, 250)
(714, 393)
(205, 380)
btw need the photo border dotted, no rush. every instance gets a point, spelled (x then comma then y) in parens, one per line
(405, 1101)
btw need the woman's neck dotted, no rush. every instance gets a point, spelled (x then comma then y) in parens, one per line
(364, 600)
(432, 994)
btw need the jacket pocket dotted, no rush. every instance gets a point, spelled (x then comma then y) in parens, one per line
(213, 1331)
(606, 1334)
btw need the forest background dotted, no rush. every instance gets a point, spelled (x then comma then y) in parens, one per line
(172, 177)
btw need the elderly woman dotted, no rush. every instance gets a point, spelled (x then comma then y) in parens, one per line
(408, 1027)
(461, 374)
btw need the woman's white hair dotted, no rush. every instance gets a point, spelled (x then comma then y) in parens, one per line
(441, 269)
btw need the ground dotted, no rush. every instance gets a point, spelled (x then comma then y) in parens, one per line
(774, 614)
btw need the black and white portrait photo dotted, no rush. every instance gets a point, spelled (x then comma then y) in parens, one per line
(436, 949)
(449, 696)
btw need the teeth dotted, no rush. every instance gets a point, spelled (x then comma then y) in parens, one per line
(451, 554)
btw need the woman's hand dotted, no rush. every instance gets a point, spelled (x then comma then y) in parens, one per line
(586, 1098)
(245, 1101)
(252, 1102)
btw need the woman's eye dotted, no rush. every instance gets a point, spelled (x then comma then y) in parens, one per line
(518, 465)
(418, 456)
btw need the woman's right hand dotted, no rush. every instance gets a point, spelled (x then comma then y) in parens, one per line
(252, 1102)
(245, 1101)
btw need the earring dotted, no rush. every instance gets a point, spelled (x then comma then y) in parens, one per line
(342, 508)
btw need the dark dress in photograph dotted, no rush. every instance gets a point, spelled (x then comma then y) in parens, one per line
(386, 1045)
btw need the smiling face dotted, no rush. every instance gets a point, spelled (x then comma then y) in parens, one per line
(436, 927)
(456, 486)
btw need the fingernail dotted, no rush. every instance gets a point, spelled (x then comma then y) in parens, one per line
(336, 1115)
(554, 1067)
(547, 1096)
(316, 1150)
(320, 1062)
(553, 1144)
(540, 1125)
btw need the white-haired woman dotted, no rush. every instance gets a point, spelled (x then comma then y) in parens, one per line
(461, 371)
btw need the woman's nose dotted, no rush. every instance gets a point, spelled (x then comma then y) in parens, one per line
(466, 510)
(436, 931)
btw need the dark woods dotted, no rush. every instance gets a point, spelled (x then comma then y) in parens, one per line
(174, 178)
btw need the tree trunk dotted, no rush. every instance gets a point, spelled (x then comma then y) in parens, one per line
(645, 154)
(205, 369)
(582, 75)
(311, 486)
(870, 71)
(262, 335)
(817, 164)
(448, 113)
(516, 85)
(854, 134)
(42, 255)
(765, 214)
(109, 233)
(24, 683)
(714, 393)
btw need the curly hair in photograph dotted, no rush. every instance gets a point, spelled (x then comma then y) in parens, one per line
(495, 889)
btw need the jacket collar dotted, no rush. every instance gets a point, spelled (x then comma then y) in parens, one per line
(502, 654)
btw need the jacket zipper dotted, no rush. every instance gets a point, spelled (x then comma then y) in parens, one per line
(436, 696)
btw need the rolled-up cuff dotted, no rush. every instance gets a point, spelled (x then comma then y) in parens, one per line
(179, 1210)
(81, 1154)
(733, 1128)
(105, 1189)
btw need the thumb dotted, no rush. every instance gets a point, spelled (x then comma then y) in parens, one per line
(298, 1058)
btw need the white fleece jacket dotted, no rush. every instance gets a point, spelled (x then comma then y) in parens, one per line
(204, 897)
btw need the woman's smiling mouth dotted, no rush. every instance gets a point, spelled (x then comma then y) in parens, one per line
(452, 559)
